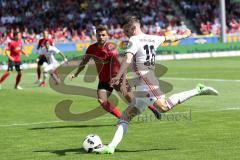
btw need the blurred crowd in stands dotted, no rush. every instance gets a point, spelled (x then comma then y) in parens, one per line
(75, 20)
(206, 15)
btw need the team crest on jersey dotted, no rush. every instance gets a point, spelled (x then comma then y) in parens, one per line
(17, 49)
(111, 46)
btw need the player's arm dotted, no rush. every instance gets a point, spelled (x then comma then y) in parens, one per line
(130, 51)
(23, 52)
(114, 56)
(57, 51)
(8, 53)
(127, 59)
(81, 66)
(63, 56)
(172, 38)
(38, 51)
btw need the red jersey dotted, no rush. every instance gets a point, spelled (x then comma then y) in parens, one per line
(15, 48)
(106, 60)
(43, 41)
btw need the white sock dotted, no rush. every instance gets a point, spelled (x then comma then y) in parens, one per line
(120, 132)
(180, 97)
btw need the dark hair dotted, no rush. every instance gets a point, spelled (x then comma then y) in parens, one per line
(101, 28)
(130, 20)
(15, 33)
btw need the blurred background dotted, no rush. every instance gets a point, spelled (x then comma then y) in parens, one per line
(72, 23)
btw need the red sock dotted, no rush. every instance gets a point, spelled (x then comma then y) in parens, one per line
(151, 108)
(108, 106)
(4, 76)
(18, 79)
(38, 73)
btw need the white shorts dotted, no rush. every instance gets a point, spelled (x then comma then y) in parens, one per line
(147, 92)
(50, 67)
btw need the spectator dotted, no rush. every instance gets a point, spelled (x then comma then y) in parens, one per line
(76, 20)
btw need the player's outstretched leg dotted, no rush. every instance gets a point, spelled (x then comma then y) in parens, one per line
(165, 105)
(126, 117)
(43, 83)
(105, 149)
(205, 90)
(103, 95)
(18, 79)
(55, 78)
(38, 70)
(4, 76)
(109, 107)
(156, 113)
(127, 94)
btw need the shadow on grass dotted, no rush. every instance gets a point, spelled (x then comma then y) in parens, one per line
(65, 151)
(146, 150)
(82, 151)
(81, 126)
(75, 126)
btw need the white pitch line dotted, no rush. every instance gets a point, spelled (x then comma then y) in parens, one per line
(37, 123)
(27, 124)
(108, 117)
(178, 78)
(216, 110)
(201, 79)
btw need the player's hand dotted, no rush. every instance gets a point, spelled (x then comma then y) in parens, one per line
(187, 32)
(65, 60)
(71, 77)
(11, 58)
(115, 80)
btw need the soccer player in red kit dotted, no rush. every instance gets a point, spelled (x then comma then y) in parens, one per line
(14, 59)
(105, 57)
(42, 58)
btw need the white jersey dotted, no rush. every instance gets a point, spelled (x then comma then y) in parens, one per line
(143, 47)
(50, 54)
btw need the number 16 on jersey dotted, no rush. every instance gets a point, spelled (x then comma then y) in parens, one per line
(150, 52)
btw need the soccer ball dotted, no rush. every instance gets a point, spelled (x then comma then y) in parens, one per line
(92, 142)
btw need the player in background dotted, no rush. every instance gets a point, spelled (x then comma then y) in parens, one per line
(52, 64)
(13, 51)
(141, 50)
(105, 56)
(42, 58)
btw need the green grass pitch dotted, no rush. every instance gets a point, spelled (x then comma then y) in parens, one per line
(29, 128)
